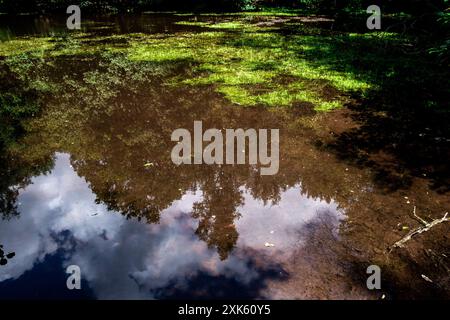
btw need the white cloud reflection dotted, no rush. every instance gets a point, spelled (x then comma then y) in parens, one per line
(129, 259)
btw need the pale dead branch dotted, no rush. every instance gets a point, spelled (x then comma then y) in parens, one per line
(426, 226)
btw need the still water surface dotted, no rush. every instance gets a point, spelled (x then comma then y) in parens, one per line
(61, 224)
(91, 183)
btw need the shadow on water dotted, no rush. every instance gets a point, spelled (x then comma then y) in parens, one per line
(400, 144)
(402, 120)
(402, 123)
(402, 127)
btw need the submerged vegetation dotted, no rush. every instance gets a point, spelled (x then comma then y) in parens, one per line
(246, 60)
(269, 53)
(249, 68)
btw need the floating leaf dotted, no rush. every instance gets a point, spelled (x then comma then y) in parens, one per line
(426, 278)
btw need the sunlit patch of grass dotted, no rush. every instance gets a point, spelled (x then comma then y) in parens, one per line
(214, 25)
(238, 95)
(275, 12)
(232, 78)
(159, 53)
(321, 68)
(192, 23)
(227, 25)
(35, 45)
(279, 97)
(234, 61)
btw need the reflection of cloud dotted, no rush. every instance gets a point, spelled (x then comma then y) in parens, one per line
(127, 259)
(51, 204)
(279, 224)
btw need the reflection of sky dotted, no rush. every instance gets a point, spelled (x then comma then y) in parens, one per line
(122, 258)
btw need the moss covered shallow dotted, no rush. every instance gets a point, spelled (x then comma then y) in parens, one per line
(249, 63)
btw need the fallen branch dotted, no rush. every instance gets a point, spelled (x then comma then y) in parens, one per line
(426, 226)
(422, 221)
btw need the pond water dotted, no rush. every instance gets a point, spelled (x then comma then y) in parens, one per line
(61, 224)
(90, 181)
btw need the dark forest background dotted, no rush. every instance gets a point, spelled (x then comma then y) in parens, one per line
(408, 6)
(423, 17)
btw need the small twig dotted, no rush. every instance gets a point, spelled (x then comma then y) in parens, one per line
(419, 218)
(427, 226)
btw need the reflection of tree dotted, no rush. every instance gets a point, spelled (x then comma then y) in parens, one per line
(18, 101)
(118, 134)
(15, 175)
(217, 212)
